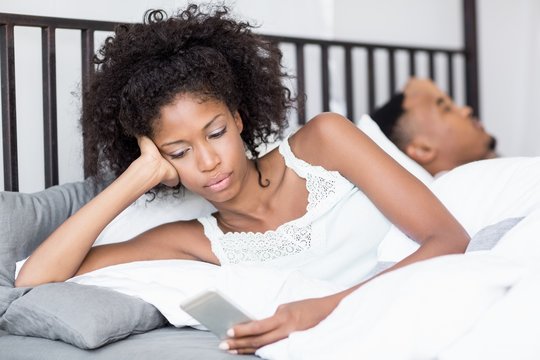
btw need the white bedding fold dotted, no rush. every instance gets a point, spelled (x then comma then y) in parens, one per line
(448, 307)
(475, 306)
(166, 283)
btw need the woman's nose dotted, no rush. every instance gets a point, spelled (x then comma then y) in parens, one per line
(207, 158)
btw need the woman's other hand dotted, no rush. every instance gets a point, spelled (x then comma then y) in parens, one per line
(295, 316)
(163, 169)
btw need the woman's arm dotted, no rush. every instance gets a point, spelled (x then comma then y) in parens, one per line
(64, 252)
(335, 143)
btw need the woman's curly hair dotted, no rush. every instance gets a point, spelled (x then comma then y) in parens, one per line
(143, 67)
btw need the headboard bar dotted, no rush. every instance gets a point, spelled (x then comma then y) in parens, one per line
(450, 73)
(60, 23)
(371, 78)
(346, 70)
(471, 55)
(325, 78)
(300, 84)
(349, 82)
(50, 123)
(9, 114)
(391, 72)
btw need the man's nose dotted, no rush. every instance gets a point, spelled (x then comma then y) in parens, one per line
(467, 111)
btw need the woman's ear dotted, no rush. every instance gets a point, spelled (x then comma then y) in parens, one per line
(238, 121)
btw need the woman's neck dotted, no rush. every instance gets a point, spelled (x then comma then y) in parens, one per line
(254, 205)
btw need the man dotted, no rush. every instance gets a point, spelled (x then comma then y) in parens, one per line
(427, 126)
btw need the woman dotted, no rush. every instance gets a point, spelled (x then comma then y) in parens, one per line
(183, 102)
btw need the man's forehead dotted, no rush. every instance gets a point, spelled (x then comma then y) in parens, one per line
(426, 100)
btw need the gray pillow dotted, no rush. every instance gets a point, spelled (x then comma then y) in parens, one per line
(85, 316)
(27, 219)
(82, 315)
(489, 236)
(485, 239)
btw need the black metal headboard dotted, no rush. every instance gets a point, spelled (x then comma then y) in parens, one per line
(88, 28)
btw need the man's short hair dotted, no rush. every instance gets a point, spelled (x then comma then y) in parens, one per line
(388, 115)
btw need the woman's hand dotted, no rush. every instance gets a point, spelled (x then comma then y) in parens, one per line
(299, 315)
(161, 167)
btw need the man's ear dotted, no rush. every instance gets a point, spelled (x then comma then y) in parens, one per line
(421, 150)
(238, 121)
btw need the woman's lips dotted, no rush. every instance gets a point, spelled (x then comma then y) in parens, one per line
(219, 183)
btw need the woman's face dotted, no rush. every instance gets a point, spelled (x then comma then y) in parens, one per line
(201, 139)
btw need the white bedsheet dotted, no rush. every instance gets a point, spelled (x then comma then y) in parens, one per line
(480, 305)
(166, 283)
(473, 306)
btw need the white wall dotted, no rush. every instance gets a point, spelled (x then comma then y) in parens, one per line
(508, 79)
(509, 76)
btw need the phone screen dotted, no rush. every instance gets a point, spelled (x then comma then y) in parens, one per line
(217, 313)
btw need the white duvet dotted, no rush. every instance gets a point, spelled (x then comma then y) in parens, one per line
(481, 305)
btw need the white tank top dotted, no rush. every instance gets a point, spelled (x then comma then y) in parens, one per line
(335, 240)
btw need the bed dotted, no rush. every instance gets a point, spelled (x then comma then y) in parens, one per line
(78, 320)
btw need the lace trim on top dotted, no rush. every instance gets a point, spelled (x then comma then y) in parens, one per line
(291, 238)
(234, 247)
(320, 183)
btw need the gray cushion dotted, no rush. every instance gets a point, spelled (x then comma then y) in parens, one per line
(489, 236)
(8, 295)
(27, 219)
(85, 316)
(82, 315)
(485, 239)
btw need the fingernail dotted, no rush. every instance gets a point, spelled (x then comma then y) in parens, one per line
(230, 333)
(234, 352)
(223, 345)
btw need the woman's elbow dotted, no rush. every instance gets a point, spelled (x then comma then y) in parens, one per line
(25, 279)
(459, 242)
(21, 282)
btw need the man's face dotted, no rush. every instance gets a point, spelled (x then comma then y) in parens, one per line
(454, 133)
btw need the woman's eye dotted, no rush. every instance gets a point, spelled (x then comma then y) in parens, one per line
(218, 133)
(178, 154)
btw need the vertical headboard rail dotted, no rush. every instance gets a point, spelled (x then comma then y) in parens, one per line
(9, 113)
(50, 119)
(471, 55)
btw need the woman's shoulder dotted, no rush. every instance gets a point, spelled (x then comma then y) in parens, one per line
(318, 136)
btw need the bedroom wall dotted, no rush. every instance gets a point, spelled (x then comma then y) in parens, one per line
(504, 95)
(509, 76)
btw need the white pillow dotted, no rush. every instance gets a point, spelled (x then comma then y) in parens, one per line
(478, 194)
(144, 214)
(371, 129)
(485, 192)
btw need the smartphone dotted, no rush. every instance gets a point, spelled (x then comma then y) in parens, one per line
(213, 310)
